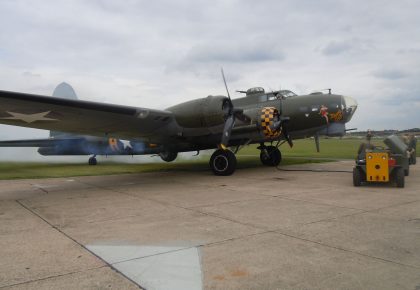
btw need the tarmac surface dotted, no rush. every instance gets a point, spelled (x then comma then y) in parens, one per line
(301, 227)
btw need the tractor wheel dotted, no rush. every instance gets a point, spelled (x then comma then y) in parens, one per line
(270, 156)
(399, 177)
(223, 162)
(357, 177)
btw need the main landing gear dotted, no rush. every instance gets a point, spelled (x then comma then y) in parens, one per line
(92, 160)
(223, 162)
(270, 155)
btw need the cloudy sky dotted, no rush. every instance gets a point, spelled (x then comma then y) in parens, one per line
(158, 53)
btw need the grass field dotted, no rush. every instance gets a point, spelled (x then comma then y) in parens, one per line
(303, 152)
(329, 148)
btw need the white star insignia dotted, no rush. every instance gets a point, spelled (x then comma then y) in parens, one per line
(29, 118)
(126, 144)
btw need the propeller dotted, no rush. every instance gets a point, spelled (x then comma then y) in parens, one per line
(281, 124)
(231, 115)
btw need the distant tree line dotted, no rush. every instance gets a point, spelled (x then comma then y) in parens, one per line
(386, 132)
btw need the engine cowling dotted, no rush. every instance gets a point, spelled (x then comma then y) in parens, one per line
(266, 117)
(201, 113)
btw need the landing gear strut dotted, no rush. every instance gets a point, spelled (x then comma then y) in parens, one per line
(223, 162)
(270, 155)
(92, 160)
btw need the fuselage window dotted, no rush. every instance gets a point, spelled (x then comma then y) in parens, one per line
(263, 98)
(315, 108)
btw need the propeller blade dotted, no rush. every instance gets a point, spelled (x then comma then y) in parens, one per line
(287, 137)
(276, 125)
(230, 122)
(281, 122)
(230, 117)
(224, 80)
(285, 132)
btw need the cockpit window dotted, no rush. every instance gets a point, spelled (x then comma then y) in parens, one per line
(272, 97)
(287, 93)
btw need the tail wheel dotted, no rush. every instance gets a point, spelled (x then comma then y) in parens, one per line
(223, 162)
(357, 177)
(168, 156)
(399, 177)
(92, 161)
(270, 156)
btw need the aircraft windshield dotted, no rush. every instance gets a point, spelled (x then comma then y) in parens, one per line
(287, 93)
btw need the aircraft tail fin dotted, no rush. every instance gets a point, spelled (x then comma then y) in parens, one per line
(64, 91)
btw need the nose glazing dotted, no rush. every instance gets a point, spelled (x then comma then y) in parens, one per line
(350, 106)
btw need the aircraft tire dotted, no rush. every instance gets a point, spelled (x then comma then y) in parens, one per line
(223, 162)
(168, 156)
(399, 177)
(357, 176)
(271, 156)
(92, 161)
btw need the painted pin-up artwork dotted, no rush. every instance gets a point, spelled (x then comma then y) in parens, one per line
(323, 111)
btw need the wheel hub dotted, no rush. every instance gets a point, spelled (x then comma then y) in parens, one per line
(220, 163)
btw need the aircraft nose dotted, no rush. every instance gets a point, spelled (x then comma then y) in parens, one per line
(350, 106)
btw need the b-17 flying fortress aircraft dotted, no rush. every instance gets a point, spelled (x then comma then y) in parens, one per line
(214, 122)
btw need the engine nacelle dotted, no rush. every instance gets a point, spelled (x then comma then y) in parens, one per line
(266, 117)
(201, 113)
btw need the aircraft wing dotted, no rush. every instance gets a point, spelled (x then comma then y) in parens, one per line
(83, 117)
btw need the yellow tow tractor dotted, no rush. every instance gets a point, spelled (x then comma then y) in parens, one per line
(382, 165)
